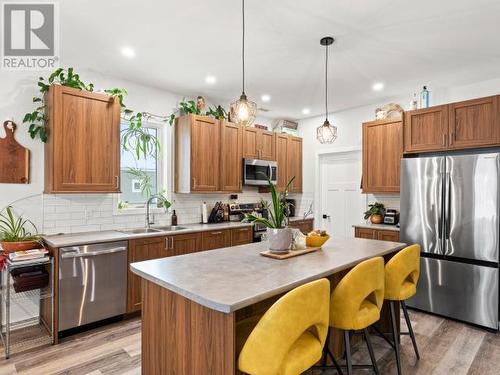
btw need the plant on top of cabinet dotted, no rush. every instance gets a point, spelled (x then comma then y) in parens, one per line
(143, 143)
(375, 212)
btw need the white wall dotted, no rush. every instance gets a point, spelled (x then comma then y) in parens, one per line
(82, 212)
(349, 129)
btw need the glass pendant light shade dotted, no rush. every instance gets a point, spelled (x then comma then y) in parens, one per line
(326, 133)
(243, 111)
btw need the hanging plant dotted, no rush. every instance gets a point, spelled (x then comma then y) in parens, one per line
(134, 138)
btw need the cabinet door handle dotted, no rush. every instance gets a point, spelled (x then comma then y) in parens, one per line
(166, 243)
(215, 233)
(194, 182)
(243, 230)
(172, 243)
(444, 139)
(117, 183)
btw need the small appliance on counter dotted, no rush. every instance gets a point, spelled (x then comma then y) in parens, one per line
(391, 217)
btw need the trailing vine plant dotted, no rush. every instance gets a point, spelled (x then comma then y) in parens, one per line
(134, 138)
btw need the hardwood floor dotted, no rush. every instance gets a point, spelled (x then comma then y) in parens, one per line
(446, 347)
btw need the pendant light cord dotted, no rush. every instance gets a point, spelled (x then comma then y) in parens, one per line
(243, 45)
(326, 84)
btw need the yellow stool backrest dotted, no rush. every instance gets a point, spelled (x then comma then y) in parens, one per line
(357, 300)
(302, 309)
(401, 274)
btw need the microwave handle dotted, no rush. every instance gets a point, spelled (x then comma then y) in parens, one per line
(270, 173)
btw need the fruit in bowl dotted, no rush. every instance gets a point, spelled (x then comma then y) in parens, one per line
(317, 238)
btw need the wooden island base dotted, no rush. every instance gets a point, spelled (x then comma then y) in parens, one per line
(180, 336)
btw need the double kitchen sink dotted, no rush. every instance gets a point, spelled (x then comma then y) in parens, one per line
(166, 228)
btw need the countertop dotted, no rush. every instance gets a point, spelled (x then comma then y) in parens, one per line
(229, 279)
(377, 226)
(85, 238)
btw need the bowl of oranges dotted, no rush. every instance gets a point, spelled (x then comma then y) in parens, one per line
(317, 238)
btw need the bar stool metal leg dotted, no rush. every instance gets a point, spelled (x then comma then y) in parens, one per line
(370, 350)
(395, 336)
(410, 329)
(347, 344)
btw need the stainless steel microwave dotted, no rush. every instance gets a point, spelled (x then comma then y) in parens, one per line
(256, 172)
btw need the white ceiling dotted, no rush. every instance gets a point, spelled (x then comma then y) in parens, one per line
(403, 43)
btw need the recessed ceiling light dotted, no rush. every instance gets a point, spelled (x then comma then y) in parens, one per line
(265, 98)
(378, 86)
(306, 111)
(128, 52)
(210, 80)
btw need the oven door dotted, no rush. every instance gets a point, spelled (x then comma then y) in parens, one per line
(256, 172)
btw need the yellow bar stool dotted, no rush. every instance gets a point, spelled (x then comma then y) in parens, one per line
(401, 277)
(289, 337)
(355, 305)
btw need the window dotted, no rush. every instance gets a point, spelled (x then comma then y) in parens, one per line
(140, 178)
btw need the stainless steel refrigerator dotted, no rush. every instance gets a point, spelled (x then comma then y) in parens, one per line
(450, 206)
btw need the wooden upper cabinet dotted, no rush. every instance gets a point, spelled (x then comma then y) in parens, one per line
(382, 152)
(231, 157)
(251, 143)
(294, 163)
(426, 129)
(474, 123)
(82, 154)
(258, 144)
(267, 150)
(197, 154)
(281, 158)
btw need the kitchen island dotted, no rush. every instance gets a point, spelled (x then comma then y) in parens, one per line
(196, 306)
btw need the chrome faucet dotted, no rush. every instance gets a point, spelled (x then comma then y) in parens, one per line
(148, 221)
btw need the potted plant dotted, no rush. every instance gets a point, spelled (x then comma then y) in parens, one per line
(218, 112)
(15, 233)
(375, 212)
(278, 234)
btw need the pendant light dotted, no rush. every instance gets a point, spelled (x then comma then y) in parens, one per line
(326, 133)
(243, 111)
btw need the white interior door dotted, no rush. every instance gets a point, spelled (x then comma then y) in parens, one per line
(341, 202)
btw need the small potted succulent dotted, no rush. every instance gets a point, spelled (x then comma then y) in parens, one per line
(375, 213)
(17, 234)
(279, 236)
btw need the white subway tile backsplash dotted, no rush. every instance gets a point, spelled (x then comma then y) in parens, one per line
(67, 213)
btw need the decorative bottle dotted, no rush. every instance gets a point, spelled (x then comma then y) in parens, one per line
(424, 98)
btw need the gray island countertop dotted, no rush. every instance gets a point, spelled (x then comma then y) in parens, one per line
(232, 278)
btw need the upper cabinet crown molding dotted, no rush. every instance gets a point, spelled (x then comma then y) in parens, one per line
(468, 124)
(82, 153)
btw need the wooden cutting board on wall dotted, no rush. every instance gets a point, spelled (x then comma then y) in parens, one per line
(14, 158)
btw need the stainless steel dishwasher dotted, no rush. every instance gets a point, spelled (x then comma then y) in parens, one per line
(92, 283)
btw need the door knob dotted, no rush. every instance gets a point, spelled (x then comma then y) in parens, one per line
(326, 216)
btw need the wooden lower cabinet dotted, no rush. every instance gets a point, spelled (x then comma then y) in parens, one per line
(241, 236)
(216, 239)
(305, 226)
(376, 234)
(181, 244)
(139, 250)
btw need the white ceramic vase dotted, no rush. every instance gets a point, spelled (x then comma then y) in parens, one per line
(280, 240)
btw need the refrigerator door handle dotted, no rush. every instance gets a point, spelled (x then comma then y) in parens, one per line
(448, 208)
